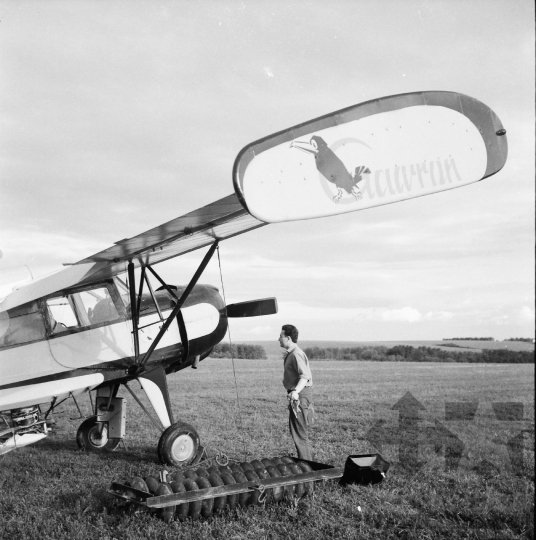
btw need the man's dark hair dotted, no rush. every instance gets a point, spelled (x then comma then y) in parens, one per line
(291, 332)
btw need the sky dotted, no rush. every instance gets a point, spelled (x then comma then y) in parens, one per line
(118, 116)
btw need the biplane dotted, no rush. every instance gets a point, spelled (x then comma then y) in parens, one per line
(93, 327)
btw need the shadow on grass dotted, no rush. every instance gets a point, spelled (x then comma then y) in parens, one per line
(146, 454)
(55, 443)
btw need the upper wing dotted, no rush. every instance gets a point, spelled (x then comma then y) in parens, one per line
(217, 221)
(379, 152)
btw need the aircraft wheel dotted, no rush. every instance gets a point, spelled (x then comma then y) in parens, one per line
(178, 445)
(87, 437)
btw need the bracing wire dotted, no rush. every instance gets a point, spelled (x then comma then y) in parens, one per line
(233, 363)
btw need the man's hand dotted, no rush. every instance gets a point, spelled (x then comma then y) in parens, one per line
(294, 396)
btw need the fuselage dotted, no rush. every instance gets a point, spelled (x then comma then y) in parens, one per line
(81, 338)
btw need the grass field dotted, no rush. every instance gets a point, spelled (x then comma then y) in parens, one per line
(51, 490)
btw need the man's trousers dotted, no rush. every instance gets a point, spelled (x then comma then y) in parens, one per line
(299, 423)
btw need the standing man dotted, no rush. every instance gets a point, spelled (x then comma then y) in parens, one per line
(298, 381)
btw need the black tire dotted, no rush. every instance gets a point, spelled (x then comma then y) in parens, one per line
(299, 489)
(263, 474)
(252, 476)
(224, 469)
(308, 486)
(219, 502)
(279, 491)
(207, 504)
(177, 476)
(202, 472)
(152, 483)
(247, 466)
(87, 437)
(181, 511)
(235, 467)
(178, 445)
(166, 514)
(243, 498)
(195, 506)
(139, 483)
(285, 471)
(228, 480)
(256, 464)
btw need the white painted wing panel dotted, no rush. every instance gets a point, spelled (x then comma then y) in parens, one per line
(399, 155)
(374, 153)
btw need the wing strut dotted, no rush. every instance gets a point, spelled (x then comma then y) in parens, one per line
(182, 326)
(176, 310)
(162, 282)
(140, 292)
(133, 310)
(150, 287)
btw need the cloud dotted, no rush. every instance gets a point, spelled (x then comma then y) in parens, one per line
(515, 316)
(526, 313)
(258, 330)
(439, 316)
(405, 314)
(501, 320)
(45, 250)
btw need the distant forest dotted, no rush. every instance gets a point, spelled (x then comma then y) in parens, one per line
(469, 339)
(525, 339)
(240, 350)
(407, 353)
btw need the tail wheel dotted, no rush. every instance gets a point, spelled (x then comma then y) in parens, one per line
(178, 445)
(92, 438)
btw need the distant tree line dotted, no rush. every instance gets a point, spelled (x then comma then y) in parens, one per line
(239, 350)
(469, 339)
(407, 353)
(526, 340)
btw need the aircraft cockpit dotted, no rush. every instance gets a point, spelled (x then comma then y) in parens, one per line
(84, 308)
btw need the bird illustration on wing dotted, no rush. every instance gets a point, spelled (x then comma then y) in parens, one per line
(331, 167)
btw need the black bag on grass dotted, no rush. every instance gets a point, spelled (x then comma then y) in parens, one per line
(364, 469)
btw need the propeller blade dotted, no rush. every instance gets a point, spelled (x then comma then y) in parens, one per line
(253, 308)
